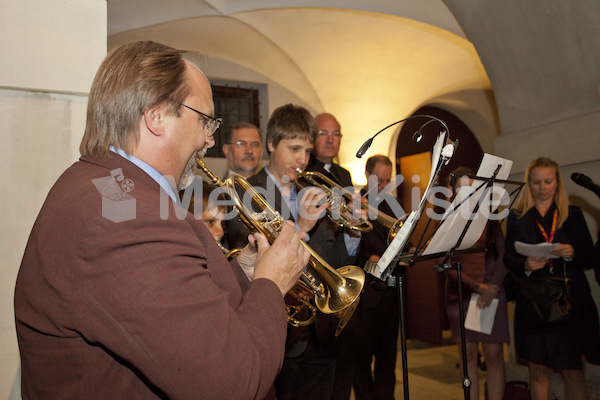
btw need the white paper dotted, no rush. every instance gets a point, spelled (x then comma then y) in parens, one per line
(395, 247)
(461, 210)
(402, 236)
(543, 249)
(480, 319)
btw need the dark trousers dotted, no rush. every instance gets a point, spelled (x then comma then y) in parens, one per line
(377, 336)
(346, 348)
(308, 376)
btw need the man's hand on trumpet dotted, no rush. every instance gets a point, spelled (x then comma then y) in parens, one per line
(356, 215)
(313, 206)
(284, 260)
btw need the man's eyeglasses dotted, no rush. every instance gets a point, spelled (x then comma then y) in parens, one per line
(210, 123)
(241, 143)
(335, 134)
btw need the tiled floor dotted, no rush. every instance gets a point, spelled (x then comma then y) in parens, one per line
(432, 374)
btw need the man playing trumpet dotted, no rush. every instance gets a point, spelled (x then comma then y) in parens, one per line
(309, 364)
(116, 300)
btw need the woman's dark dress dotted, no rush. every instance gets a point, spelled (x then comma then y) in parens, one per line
(479, 268)
(557, 346)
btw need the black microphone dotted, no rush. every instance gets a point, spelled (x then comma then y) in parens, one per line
(363, 149)
(417, 136)
(586, 182)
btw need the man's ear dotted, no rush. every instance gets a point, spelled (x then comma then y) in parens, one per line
(154, 120)
(270, 146)
(225, 149)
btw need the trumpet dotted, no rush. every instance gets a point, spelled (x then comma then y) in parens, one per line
(389, 222)
(229, 254)
(334, 291)
(293, 310)
(340, 198)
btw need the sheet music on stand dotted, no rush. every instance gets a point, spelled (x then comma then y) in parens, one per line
(468, 199)
(460, 227)
(381, 270)
(471, 208)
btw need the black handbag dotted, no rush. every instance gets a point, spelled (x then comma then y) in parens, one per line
(549, 297)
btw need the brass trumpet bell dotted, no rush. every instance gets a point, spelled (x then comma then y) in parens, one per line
(334, 291)
(391, 223)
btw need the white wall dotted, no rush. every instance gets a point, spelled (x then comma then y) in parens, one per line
(278, 95)
(574, 144)
(43, 99)
(50, 52)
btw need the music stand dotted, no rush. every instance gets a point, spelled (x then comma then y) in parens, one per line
(468, 214)
(443, 150)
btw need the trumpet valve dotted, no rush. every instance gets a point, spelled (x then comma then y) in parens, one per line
(336, 205)
(272, 223)
(310, 281)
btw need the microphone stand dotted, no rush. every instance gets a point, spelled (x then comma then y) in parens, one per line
(417, 136)
(400, 287)
(389, 270)
(402, 312)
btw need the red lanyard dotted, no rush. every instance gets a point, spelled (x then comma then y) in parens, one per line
(549, 238)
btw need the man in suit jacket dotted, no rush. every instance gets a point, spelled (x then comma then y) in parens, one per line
(377, 320)
(243, 149)
(123, 294)
(310, 359)
(327, 146)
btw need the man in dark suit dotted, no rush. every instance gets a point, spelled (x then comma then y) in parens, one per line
(310, 359)
(377, 319)
(123, 294)
(326, 149)
(327, 146)
(243, 149)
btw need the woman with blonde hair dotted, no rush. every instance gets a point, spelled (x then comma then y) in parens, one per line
(543, 214)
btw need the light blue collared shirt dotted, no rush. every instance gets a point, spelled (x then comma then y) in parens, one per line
(154, 174)
(290, 201)
(351, 242)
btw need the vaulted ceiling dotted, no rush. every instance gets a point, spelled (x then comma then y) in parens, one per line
(369, 63)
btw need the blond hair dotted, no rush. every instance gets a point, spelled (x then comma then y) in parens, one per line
(526, 201)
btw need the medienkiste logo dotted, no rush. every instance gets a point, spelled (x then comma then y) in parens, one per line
(117, 204)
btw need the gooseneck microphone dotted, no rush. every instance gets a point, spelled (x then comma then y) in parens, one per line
(417, 136)
(586, 182)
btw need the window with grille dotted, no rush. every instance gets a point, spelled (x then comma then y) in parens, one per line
(237, 102)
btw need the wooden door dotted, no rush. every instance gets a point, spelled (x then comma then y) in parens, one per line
(424, 304)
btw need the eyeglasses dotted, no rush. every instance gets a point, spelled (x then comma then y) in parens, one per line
(210, 123)
(323, 133)
(241, 143)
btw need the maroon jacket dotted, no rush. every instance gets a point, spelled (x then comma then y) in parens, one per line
(140, 309)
